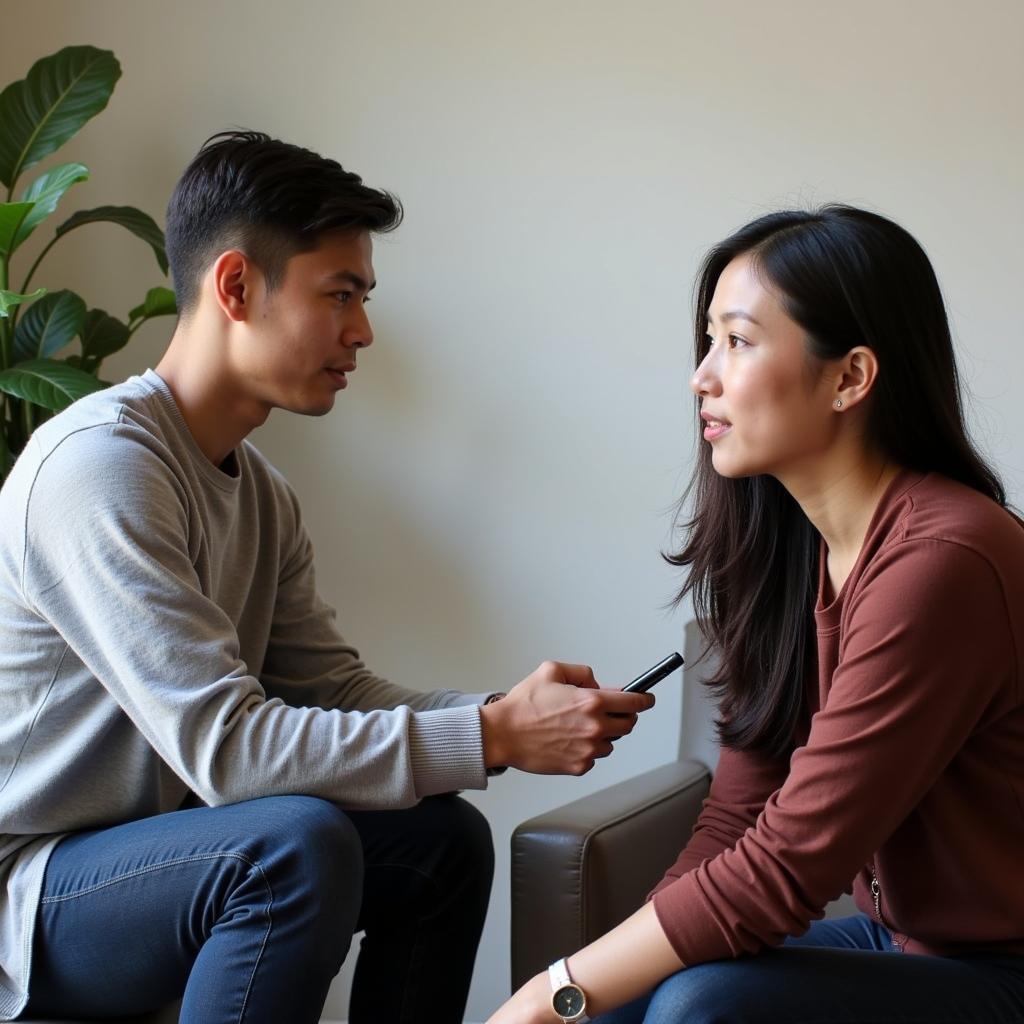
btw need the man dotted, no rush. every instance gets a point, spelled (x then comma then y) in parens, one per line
(203, 788)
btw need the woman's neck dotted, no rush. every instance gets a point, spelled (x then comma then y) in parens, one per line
(840, 500)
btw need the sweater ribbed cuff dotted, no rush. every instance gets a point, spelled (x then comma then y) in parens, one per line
(447, 751)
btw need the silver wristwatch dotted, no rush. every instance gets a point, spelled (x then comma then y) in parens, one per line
(568, 1000)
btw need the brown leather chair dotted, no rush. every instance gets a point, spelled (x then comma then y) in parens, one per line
(581, 869)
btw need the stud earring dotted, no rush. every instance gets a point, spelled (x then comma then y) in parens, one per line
(839, 403)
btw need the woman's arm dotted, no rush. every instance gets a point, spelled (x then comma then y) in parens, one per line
(742, 783)
(906, 697)
(621, 965)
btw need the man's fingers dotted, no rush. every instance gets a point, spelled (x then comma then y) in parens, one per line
(619, 725)
(579, 675)
(618, 702)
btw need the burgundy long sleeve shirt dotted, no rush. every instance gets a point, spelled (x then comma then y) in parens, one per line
(912, 771)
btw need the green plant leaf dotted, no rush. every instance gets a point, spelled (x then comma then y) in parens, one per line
(46, 192)
(102, 335)
(8, 300)
(12, 216)
(48, 325)
(138, 223)
(47, 382)
(159, 302)
(42, 111)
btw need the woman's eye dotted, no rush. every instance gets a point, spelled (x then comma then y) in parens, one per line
(735, 341)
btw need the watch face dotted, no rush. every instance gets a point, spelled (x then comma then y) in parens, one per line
(569, 1001)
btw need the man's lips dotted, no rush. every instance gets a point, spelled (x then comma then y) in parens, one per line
(338, 373)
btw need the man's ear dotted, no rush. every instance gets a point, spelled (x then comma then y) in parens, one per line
(233, 279)
(858, 371)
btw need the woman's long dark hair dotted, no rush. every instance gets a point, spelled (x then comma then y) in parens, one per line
(849, 278)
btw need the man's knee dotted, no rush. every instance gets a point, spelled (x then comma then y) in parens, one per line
(308, 846)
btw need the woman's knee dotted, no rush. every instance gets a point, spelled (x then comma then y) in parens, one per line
(721, 992)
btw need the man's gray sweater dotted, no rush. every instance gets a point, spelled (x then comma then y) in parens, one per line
(161, 636)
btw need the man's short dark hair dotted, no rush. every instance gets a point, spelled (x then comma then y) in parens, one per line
(267, 198)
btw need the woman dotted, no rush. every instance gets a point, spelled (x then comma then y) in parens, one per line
(851, 558)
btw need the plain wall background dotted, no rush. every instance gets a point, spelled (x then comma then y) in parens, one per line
(496, 484)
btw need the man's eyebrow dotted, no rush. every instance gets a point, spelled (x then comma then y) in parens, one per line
(352, 278)
(736, 314)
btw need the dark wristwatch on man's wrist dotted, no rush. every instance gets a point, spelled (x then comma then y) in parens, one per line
(568, 1000)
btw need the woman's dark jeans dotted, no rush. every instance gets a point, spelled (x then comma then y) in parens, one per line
(842, 971)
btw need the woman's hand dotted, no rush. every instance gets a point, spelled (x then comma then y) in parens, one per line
(630, 960)
(530, 1005)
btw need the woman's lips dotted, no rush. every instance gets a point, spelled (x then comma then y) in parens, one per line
(339, 378)
(714, 427)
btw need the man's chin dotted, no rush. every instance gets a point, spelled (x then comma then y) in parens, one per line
(308, 407)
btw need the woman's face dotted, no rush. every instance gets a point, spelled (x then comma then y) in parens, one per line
(766, 404)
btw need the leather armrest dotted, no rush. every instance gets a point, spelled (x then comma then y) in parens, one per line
(581, 869)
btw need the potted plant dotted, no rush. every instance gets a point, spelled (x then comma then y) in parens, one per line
(38, 115)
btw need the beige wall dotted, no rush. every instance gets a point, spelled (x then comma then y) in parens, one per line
(494, 487)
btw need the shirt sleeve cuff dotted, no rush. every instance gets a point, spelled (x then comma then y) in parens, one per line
(446, 750)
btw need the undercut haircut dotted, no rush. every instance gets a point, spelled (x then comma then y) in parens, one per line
(268, 199)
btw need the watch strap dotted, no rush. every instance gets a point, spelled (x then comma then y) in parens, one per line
(559, 976)
(558, 972)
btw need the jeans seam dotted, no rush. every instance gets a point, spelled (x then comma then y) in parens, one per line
(266, 936)
(147, 870)
(192, 860)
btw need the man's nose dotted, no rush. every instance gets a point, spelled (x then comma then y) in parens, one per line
(358, 333)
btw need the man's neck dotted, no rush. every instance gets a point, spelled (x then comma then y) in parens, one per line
(217, 414)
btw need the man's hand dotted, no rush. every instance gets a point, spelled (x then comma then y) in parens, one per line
(557, 721)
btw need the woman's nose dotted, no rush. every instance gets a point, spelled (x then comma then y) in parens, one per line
(705, 380)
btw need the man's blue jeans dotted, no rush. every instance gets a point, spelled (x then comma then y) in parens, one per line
(840, 972)
(249, 910)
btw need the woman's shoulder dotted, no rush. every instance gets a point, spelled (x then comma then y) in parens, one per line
(932, 507)
(934, 537)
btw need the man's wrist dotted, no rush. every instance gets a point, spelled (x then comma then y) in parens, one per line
(499, 769)
(492, 733)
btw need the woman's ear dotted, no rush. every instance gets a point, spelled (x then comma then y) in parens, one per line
(858, 371)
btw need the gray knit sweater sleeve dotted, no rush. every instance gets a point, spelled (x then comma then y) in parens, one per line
(121, 558)
(160, 633)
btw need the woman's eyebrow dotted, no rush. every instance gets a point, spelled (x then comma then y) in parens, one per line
(736, 314)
